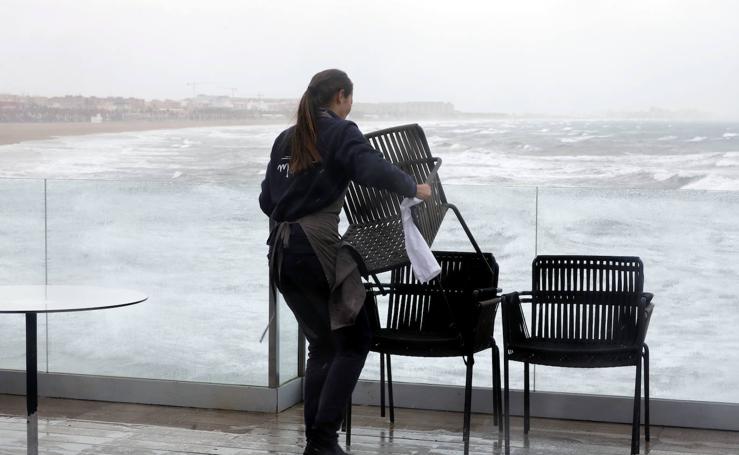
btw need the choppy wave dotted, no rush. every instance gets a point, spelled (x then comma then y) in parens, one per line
(529, 148)
(714, 182)
(729, 159)
(572, 140)
(530, 152)
(465, 130)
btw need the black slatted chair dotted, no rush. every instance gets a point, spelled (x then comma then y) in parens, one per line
(452, 315)
(585, 312)
(375, 231)
(375, 235)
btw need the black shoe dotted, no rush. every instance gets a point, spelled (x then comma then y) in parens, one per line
(314, 448)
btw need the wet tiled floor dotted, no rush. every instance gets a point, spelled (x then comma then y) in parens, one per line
(90, 427)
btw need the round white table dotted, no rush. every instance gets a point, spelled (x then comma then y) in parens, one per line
(31, 300)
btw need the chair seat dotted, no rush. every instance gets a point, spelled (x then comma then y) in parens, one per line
(574, 354)
(412, 343)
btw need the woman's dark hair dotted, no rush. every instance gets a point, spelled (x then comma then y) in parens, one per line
(321, 90)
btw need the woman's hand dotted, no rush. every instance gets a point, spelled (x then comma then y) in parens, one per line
(423, 191)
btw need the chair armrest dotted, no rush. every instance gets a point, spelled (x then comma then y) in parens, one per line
(368, 285)
(377, 288)
(646, 303)
(514, 322)
(484, 303)
(486, 293)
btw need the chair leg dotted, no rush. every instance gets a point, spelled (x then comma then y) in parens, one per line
(526, 398)
(468, 399)
(343, 421)
(348, 420)
(390, 389)
(506, 405)
(637, 410)
(496, 386)
(646, 392)
(382, 384)
(500, 391)
(346, 425)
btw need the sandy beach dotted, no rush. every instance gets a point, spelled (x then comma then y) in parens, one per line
(11, 133)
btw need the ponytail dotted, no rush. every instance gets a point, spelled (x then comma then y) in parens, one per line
(322, 88)
(304, 150)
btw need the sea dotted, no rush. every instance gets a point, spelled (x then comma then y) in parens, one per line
(174, 214)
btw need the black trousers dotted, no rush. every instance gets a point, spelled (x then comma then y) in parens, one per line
(335, 358)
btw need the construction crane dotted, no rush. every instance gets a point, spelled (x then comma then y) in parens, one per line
(195, 86)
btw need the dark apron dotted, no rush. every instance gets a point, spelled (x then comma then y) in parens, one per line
(342, 273)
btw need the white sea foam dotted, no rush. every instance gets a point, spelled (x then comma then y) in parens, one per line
(492, 131)
(729, 159)
(730, 135)
(533, 153)
(697, 139)
(436, 140)
(529, 148)
(465, 130)
(683, 159)
(714, 182)
(663, 175)
(572, 140)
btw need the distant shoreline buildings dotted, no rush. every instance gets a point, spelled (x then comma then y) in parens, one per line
(91, 109)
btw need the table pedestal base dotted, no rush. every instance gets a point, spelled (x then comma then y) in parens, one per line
(31, 385)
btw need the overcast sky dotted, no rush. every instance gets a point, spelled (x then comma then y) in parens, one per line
(546, 56)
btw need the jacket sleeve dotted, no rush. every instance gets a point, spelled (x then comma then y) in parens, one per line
(265, 201)
(265, 197)
(368, 167)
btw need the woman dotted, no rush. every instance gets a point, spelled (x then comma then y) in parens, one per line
(303, 191)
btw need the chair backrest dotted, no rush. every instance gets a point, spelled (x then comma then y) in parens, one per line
(433, 306)
(586, 298)
(375, 228)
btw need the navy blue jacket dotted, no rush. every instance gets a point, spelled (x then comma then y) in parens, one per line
(345, 155)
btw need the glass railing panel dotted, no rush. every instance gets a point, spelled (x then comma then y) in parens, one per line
(502, 221)
(688, 241)
(196, 249)
(21, 263)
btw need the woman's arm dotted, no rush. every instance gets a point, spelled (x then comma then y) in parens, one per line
(368, 167)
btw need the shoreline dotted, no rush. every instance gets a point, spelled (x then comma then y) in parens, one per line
(14, 133)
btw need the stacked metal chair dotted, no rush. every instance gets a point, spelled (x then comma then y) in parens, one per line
(453, 314)
(585, 312)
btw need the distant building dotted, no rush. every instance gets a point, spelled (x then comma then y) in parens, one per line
(422, 109)
(76, 108)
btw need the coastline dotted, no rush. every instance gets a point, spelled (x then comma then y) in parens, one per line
(13, 133)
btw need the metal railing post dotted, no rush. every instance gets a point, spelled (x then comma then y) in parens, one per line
(274, 339)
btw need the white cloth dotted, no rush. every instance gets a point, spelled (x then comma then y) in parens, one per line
(424, 264)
